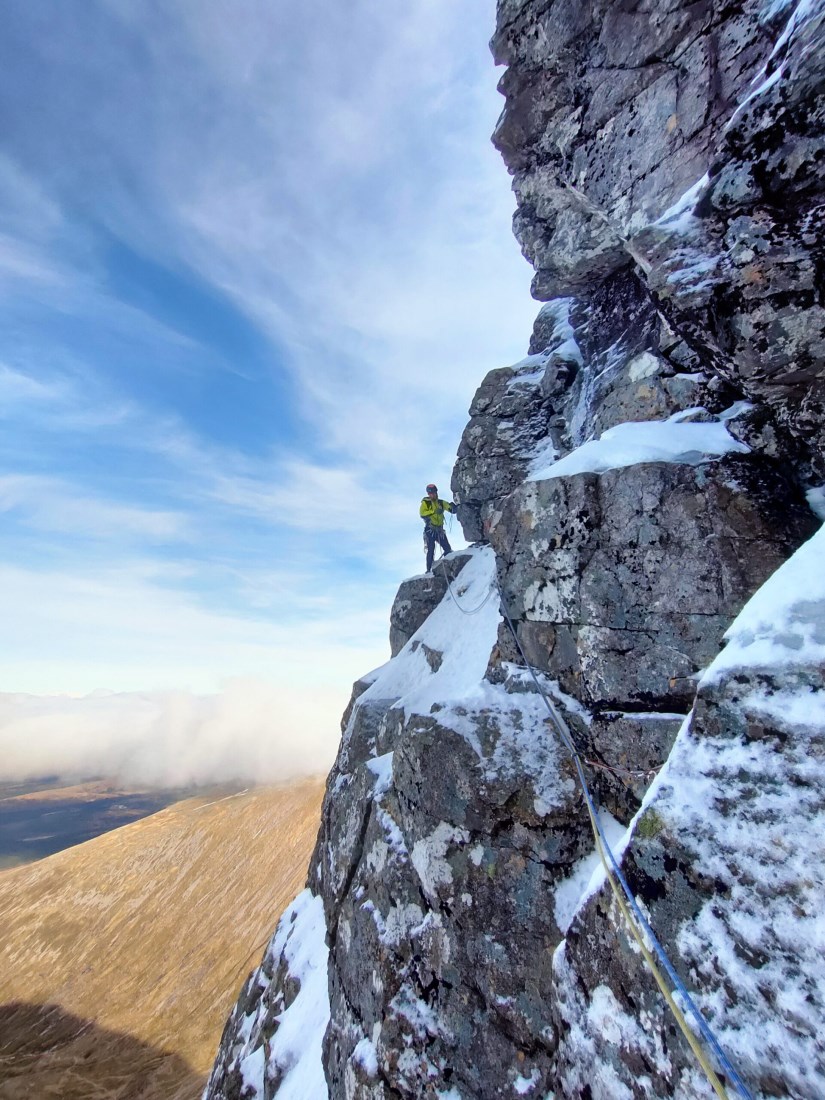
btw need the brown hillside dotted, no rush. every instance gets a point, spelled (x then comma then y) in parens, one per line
(121, 958)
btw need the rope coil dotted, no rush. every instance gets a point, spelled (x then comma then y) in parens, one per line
(463, 610)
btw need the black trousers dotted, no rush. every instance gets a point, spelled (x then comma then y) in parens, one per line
(433, 535)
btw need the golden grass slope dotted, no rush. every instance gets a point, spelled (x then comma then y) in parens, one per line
(123, 956)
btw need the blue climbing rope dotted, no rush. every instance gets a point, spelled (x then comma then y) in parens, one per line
(566, 737)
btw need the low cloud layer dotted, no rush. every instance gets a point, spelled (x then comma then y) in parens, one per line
(252, 732)
(247, 296)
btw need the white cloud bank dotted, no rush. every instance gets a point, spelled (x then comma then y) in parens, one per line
(326, 169)
(252, 731)
(284, 676)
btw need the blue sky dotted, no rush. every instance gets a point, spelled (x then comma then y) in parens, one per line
(255, 258)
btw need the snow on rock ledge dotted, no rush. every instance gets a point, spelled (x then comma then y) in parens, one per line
(727, 856)
(671, 440)
(271, 1044)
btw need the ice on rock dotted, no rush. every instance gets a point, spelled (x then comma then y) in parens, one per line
(647, 441)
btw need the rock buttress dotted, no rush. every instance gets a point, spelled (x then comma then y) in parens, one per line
(666, 161)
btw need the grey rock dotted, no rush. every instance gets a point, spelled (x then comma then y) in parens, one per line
(712, 861)
(622, 584)
(508, 416)
(611, 112)
(741, 278)
(626, 750)
(418, 596)
(480, 822)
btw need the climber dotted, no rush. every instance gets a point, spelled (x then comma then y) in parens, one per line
(432, 512)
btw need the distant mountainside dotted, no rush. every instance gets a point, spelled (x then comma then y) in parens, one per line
(607, 740)
(41, 817)
(120, 957)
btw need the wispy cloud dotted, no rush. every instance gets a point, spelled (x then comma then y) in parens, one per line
(246, 304)
(151, 627)
(49, 505)
(18, 388)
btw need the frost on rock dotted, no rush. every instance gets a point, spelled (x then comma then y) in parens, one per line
(451, 806)
(736, 262)
(720, 858)
(272, 1042)
(651, 441)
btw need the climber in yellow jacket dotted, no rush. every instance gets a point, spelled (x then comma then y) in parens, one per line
(432, 512)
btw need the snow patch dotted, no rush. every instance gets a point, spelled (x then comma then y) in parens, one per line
(801, 13)
(293, 1055)
(523, 1085)
(816, 501)
(295, 1048)
(523, 748)
(679, 218)
(417, 1013)
(428, 856)
(645, 365)
(735, 410)
(562, 343)
(645, 441)
(365, 1056)
(605, 1015)
(395, 838)
(381, 768)
(529, 371)
(584, 878)
(252, 1071)
(783, 624)
(408, 676)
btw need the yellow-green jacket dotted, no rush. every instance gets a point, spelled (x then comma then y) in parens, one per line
(433, 510)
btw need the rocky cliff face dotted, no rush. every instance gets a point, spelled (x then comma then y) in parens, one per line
(633, 488)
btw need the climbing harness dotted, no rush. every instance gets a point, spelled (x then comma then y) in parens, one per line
(440, 561)
(636, 920)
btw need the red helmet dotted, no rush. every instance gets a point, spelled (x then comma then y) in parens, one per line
(432, 488)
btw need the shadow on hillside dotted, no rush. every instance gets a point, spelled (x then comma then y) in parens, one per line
(33, 828)
(47, 1052)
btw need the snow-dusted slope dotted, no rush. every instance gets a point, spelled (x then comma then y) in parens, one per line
(277, 1028)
